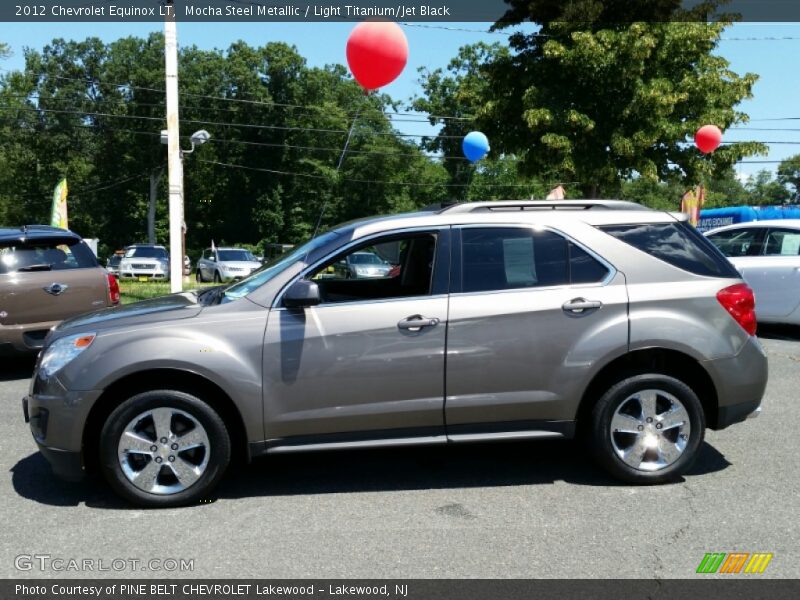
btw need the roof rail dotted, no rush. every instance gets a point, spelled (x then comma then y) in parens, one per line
(27, 228)
(512, 205)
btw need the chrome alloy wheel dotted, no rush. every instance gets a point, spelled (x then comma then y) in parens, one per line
(163, 451)
(650, 430)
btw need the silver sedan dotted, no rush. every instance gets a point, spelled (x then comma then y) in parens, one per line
(767, 254)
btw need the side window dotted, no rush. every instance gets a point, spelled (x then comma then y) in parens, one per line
(395, 267)
(511, 258)
(584, 268)
(739, 242)
(783, 242)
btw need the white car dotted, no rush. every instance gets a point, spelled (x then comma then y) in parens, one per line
(144, 262)
(224, 264)
(767, 254)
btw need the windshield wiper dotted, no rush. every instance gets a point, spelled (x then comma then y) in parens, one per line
(42, 267)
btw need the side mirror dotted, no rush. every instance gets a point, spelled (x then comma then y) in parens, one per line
(302, 293)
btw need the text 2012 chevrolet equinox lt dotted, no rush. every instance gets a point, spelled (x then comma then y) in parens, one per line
(503, 320)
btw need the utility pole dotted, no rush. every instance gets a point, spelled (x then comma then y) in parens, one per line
(174, 163)
(155, 178)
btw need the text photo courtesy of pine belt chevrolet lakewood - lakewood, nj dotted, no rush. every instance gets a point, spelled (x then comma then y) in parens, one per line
(481, 299)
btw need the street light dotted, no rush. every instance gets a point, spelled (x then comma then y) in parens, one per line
(198, 138)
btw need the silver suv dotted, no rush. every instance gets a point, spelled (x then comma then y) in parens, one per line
(505, 320)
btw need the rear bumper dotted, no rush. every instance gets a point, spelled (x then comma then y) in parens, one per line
(740, 383)
(728, 415)
(24, 338)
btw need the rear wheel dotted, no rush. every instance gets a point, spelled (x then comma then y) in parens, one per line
(164, 448)
(647, 429)
(198, 275)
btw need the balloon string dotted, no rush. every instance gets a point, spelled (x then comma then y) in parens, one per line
(338, 168)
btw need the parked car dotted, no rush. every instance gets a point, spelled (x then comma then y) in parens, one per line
(508, 320)
(187, 265)
(145, 262)
(113, 261)
(46, 275)
(225, 264)
(363, 265)
(767, 254)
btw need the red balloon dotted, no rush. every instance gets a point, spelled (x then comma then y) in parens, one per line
(377, 52)
(708, 138)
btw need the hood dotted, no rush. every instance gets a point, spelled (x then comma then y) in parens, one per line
(165, 308)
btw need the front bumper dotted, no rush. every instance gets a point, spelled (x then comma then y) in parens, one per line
(57, 418)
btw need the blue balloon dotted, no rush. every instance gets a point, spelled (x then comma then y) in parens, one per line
(475, 146)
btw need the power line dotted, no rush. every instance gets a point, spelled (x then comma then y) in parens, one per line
(376, 181)
(271, 103)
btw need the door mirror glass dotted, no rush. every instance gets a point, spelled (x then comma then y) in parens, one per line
(302, 293)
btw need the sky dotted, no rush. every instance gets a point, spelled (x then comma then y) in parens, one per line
(767, 49)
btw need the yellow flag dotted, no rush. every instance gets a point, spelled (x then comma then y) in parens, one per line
(59, 213)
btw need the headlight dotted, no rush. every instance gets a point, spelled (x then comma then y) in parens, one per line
(64, 351)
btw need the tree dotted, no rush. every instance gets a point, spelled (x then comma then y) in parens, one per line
(596, 98)
(789, 175)
(93, 111)
(763, 189)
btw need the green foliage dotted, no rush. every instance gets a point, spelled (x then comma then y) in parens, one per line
(789, 175)
(596, 97)
(93, 112)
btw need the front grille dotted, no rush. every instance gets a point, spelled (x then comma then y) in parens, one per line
(142, 266)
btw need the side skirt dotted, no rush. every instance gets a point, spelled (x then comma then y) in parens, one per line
(484, 432)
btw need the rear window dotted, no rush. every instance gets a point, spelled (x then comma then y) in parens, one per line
(45, 255)
(677, 244)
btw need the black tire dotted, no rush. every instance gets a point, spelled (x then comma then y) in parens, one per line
(218, 441)
(600, 434)
(217, 278)
(198, 276)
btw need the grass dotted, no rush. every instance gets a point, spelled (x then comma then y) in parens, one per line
(134, 291)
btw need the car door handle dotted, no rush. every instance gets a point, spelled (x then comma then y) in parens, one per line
(417, 322)
(579, 306)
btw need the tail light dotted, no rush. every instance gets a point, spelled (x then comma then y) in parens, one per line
(740, 302)
(113, 289)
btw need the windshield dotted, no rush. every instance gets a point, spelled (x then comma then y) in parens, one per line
(365, 259)
(276, 266)
(235, 255)
(145, 252)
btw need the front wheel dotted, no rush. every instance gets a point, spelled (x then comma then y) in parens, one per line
(647, 429)
(164, 448)
(217, 278)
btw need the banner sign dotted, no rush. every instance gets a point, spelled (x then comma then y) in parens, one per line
(58, 216)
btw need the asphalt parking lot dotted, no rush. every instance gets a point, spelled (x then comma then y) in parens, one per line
(513, 510)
